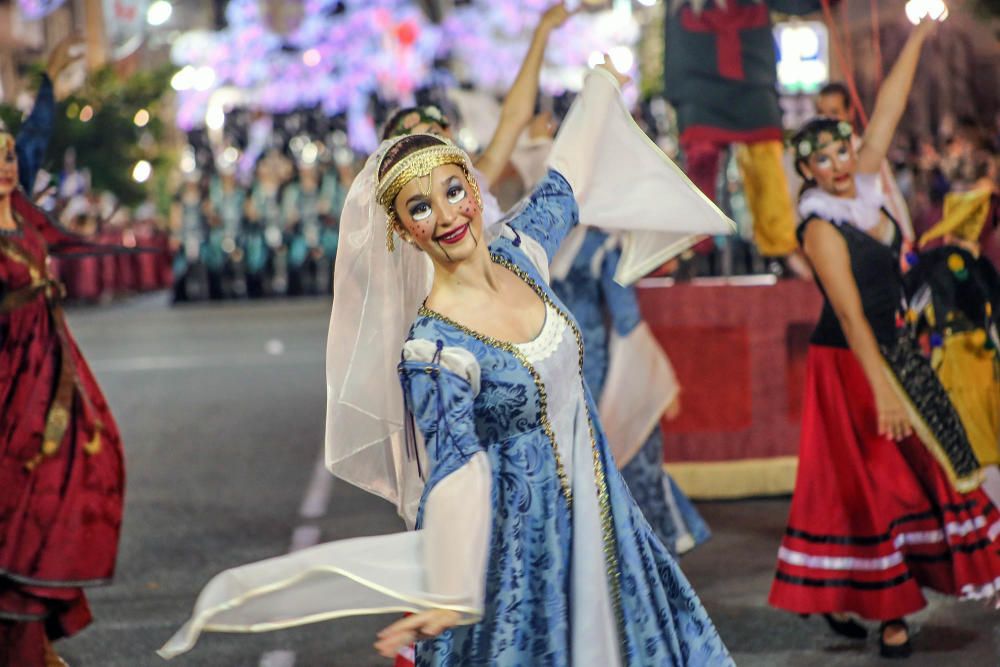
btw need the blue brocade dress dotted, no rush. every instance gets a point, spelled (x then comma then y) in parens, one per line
(561, 511)
(525, 526)
(601, 305)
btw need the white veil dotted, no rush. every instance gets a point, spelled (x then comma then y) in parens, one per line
(376, 297)
(377, 293)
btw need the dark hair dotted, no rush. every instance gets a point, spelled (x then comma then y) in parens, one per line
(404, 147)
(810, 132)
(391, 128)
(837, 88)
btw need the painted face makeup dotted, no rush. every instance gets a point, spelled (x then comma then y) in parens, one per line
(445, 222)
(833, 165)
(8, 165)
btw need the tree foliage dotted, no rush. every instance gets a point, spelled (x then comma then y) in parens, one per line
(106, 139)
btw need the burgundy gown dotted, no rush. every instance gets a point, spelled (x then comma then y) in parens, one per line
(61, 461)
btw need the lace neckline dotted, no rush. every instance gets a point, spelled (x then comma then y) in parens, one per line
(547, 341)
(426, 311)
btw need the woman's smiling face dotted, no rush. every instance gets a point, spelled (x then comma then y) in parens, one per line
(8, 164)
(440, 215)
(833, 165)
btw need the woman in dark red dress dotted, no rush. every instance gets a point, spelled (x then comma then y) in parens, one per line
(61, 464)
(886, 500)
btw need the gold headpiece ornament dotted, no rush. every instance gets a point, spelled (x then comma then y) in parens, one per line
(418, 164)
(965, 214)
(6, 143)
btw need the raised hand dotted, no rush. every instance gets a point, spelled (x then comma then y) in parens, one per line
(926, 13)
(60, 57)
(609, 66)
(555, 16)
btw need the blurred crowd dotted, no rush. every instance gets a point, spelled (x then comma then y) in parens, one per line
(263, 231)
(964, 155)
(98, 215)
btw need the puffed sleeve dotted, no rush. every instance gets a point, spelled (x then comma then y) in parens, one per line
(549, 213)
(440, 384)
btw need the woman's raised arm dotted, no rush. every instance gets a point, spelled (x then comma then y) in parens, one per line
(891, 100)
(519, 104)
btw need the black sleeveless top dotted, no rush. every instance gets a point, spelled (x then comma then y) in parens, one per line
(877, 274)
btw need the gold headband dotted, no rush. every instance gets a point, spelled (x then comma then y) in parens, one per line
(418, 164)
(6, 142)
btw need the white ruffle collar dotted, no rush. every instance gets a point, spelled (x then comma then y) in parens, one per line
(863, 211)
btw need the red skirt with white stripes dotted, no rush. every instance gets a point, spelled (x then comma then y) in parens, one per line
(873, 521)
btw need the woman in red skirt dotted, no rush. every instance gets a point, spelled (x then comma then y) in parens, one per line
(886, 501)
(61, 467)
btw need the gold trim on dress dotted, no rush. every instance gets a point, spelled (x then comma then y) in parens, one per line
(926, 435)
(735, 478)
(57, 419)
(511, 349)
(600, 478)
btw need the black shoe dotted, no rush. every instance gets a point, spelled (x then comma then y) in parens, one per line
(904, 650)
(849, 628)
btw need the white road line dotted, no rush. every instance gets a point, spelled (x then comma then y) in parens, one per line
(277, 659)
(317, 497)
(188, 362)
(314, 506)
(304, 537)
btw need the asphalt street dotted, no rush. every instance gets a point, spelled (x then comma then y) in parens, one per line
(222, 413)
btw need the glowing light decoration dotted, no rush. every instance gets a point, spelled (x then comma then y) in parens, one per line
(215, 118)
(183, 79)
(368, 47)
(803, 56)
(918, 10)
(142, 171)
(489, 41)
(342, 54)
(33, 10)
(159, 12)
(312, 57)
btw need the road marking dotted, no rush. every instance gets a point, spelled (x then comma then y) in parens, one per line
(304, 537)
(188, 362)
(317, 498)
(315, 503)
(278, 659)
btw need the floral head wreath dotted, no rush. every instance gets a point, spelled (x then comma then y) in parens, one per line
(807, 142)
(403, 122)
(417, 164)
(7, 140)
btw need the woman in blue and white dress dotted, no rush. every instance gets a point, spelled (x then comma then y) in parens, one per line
(631, 379)
(529, 549)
